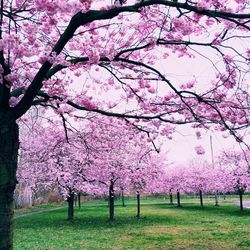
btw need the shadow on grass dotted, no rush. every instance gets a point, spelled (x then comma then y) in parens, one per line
(225, 210)
(93, 218)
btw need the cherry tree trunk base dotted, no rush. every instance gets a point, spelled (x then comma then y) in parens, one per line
(111, 210)
(201, 198)
(79, 201)
(216, 199)
(241, 201)
(138, 216)
(178, 199)
(111, 204)
(171, 199)
(6, 220)
(9, 144)
(70, 201)
(123, 200)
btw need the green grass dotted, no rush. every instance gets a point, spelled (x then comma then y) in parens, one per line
(162, 227)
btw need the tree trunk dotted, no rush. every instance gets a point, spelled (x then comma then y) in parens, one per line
(138, 205)
(123, 200)
(201, 198)
(9, 144)
(111, 203)
(79, 201)
(171, 197)
(70, 201)
(216, 198)
(241, 200)
(178, 199)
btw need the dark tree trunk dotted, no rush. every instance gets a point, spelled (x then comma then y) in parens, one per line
(178, 199)
(79, 201)
(241, 200)
(171, 197)
(201, 198)
(138, 205)
(70, 201)
(216, 198)
(111, 202)
(9, 144)
(123, 200)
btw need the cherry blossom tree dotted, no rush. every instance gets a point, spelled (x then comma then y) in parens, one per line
(230, 173)
(96, 161)
(46, 45)
(169, 185)
(219, 181)
(52, 162)
(237, 171)
(145, 176)
(198, 178)
(115, 155)
(175, 182)
(120, 162)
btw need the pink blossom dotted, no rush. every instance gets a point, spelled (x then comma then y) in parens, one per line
(199, 150)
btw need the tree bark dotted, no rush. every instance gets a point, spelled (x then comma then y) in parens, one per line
(178, 199)
(241, 200)
(79, 201)
(111, 202)
(9, 144)
(138, 205)
(70, 201)
(216, 198)
(201, 198)
(123, 200)
(171, 197)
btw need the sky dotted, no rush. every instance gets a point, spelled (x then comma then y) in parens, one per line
(181, 149)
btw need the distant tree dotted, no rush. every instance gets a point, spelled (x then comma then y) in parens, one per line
(236, 165)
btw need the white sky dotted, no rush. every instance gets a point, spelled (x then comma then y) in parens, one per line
(181, 149)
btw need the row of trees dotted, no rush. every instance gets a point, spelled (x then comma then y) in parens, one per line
(229, 174)
(106, 157)
(109, 156)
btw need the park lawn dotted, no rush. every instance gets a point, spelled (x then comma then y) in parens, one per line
(37, 208)
(162, 227)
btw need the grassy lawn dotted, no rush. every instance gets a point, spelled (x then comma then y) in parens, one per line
(37, 208)
(162, 227)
